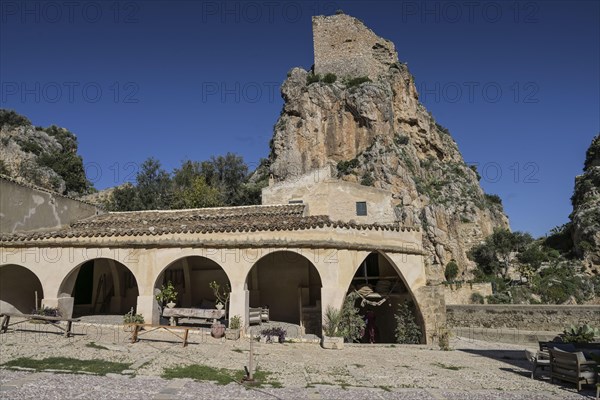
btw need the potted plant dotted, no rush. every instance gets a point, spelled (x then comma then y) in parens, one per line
(332, 335)
(217, 330)
(233, 331)
(167, 295)
(443, 336)
(221, 294)
(131, 318)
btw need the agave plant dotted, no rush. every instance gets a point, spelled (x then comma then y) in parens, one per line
(333, 318)
(580, 334)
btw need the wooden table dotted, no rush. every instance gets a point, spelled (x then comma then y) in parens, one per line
(34, 317)
(149, 328)
(203, 316)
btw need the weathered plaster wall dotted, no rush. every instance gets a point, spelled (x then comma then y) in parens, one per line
(26, 209)
(522, 317)
(337, 199)
(462, 294)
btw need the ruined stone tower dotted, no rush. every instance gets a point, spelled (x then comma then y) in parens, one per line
(344, 46)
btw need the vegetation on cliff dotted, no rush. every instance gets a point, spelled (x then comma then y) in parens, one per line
(585, 218)
(45, 157)
(525, 270)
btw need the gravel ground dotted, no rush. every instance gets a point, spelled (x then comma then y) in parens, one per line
(474, 370)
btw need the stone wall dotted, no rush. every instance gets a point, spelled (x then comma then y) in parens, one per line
(432, 309)
(462, 294)
(24, 208)
(552, 318)
(333, 197)
(346, 47)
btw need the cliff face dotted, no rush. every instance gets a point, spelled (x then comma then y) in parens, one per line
(43, 157)
(585, 218)
(368, 119)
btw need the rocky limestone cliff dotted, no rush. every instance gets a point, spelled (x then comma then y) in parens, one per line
(43, 157)
(585, 218)
(379, 134)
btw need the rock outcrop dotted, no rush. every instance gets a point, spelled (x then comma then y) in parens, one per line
(585, 218)
(43, 157)
(360, 109)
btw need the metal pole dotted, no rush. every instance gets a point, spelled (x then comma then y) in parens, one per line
(251, 363)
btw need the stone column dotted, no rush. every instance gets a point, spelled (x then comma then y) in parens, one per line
(238, 303)
(149, 308)
(64, 305)
(432, 306)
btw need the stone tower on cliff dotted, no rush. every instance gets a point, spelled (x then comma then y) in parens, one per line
(370, 123)
(345, 47)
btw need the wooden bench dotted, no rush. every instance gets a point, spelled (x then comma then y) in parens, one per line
(149, 328)
(193, 315)
(571, 367)
(34, 317)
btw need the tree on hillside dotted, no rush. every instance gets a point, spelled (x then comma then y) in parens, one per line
(198, 195)
(154, 187)
(494, 256)
(219, 181)
(230, 172)
(184, 176)
(66, 162)
(124, 198)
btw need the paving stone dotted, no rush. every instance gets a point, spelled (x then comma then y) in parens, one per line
(475, 370)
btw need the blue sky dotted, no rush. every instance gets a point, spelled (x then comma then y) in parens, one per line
(516, 83)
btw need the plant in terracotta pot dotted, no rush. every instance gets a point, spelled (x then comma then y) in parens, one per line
(233, 331)
(333, 337)
(217, 330)
(221, 294)
(167, 295)
(131, 318)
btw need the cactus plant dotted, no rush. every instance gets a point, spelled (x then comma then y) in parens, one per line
(580, 334)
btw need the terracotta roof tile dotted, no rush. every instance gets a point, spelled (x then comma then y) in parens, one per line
(203, 220)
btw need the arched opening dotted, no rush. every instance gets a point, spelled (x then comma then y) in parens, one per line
(101, 286)
(191, 277)
(289, 285)
(18, 288)
(382, 291)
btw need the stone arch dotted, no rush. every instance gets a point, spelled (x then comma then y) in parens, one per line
(191, 276)
(18, 287)
(289, 284)
(99, 286)
(384, 277)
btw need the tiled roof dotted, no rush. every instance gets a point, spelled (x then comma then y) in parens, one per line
(204, 220)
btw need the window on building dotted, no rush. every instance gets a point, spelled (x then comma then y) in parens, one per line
(295, 202)
(361, 208)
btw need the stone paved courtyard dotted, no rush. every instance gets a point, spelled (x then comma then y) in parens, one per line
(473, 370)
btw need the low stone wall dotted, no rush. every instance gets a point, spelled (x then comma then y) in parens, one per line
(461, 294)
(548, 318)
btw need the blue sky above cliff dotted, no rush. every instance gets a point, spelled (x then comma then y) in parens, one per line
(516, 83)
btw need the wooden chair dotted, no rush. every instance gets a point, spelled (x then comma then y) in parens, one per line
(540, 359)
(571, 367)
